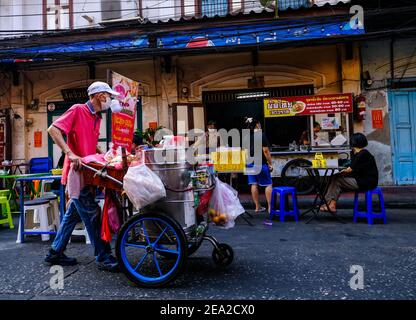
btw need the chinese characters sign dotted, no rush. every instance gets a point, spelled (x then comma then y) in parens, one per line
(123, 122)
(307, 105)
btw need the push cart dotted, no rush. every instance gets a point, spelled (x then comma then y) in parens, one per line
(154, 244)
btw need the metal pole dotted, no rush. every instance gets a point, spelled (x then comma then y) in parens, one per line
(276, 10)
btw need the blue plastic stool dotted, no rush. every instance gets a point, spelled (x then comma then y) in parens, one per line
(369, 213)
(283, 193)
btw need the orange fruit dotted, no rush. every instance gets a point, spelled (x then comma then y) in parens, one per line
(216, 219)
(223, 217)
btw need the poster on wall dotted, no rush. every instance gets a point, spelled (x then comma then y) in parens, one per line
(122, 123)
(308, 105)
(377, 118)
(330, 123)
(38, 139)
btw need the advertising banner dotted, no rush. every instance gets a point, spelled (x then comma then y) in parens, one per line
(280, 31)
(122, 123)
(308, 105)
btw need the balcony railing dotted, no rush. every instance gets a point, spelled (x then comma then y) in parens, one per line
(294, 4)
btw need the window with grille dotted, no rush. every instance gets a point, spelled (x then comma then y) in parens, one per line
(110, 9)
(211, 8)
(294, 4)
(58, 14)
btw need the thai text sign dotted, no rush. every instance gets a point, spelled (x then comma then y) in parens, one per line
(123, 122)
(307, 105)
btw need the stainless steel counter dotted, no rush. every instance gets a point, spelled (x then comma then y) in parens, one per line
(312, 151)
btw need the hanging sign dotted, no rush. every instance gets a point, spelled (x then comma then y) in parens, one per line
(122, 123)
(377, 118)
(308, 105)
(38, 139)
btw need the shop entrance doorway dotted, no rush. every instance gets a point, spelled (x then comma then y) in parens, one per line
(403, 137)
(229, 108)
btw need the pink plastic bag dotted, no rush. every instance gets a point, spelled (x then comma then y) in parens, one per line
(111, 221)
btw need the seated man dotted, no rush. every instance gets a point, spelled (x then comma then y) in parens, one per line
(362, 174)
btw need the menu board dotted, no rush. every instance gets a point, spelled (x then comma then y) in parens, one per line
(308, 105)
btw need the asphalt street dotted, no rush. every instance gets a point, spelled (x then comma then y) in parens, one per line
(285, 261)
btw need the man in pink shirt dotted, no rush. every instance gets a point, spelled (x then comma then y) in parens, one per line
(81, 125)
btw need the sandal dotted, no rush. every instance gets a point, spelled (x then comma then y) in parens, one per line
(261, 209)
(324, 208)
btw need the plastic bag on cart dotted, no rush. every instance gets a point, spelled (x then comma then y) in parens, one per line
(111, 222)
(143, 186)
(224, 206)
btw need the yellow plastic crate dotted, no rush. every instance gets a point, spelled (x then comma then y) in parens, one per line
(229, 160)
(56, 172)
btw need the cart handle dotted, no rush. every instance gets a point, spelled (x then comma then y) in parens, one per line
(102, 174)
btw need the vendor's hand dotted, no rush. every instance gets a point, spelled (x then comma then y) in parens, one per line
(75, 160)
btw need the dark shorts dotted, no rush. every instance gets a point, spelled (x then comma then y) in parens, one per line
(263, 179)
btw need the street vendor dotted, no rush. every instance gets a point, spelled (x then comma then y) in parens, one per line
(210, 140)
(304, 138)
(81, 125)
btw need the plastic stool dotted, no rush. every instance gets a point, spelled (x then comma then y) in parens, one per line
(6, 212)
(5, 193)
(40, 209)
(283, 193)
(54, 206)
(80, 230)
(43, 188)
(369, 213)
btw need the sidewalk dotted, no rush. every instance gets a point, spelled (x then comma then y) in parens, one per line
(403, 197)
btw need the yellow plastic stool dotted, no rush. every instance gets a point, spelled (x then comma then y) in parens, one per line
(6, 212)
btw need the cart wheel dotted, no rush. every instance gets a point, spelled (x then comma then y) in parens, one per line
(224, 256)
(142, 242)
(292, 176)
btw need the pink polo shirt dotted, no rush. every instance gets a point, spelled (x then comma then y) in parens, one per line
(82, 128)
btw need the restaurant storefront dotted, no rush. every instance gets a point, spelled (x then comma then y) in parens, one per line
(220, 86)
(184, 91)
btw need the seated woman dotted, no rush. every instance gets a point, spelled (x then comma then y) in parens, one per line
(361, 175)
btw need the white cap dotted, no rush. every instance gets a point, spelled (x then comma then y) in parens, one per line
(99, 86)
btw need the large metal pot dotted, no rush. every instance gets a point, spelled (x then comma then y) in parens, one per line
(174, 171)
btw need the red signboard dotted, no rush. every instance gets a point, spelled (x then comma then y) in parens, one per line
(38, 139)
(308, 105)
(377, 118)
(123, 122)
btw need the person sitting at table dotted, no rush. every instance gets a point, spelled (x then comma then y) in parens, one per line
(362, 174)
